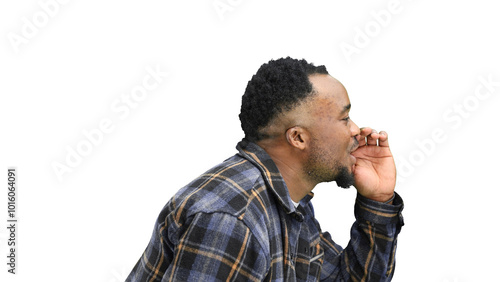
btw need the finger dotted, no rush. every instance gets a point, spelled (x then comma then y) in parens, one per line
(383, 140)
(372, 138)
(361, 140)
(365, 131)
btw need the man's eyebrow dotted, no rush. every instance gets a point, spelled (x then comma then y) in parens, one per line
(345, 109)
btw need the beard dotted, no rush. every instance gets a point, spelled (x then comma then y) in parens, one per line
(344, 178)
(320, 167)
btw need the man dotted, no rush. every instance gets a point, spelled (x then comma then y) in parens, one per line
(251, 219)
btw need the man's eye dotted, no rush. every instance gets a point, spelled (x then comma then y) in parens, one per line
(346, 119)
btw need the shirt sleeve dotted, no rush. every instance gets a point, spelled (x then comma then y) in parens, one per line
(214, 247)
(370, 254)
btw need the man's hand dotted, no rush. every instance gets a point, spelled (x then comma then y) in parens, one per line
(375, 171)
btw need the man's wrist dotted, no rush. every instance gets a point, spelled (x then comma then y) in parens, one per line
(389, 202)
(379, 212)
(386, 199)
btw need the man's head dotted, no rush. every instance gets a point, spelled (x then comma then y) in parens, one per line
(299, 114)
(277, 87)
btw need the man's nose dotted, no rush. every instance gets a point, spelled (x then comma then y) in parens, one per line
(355, 131)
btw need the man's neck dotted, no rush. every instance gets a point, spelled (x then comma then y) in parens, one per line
(290, 168)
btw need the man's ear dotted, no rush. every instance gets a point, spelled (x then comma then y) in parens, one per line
(297, 137)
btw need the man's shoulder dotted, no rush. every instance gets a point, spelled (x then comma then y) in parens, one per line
(229, 187)
(235, 188)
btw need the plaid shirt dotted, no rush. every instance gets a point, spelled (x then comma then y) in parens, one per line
(237, 222)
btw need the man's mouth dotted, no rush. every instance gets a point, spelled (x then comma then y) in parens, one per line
(356, 146)
(353, 158)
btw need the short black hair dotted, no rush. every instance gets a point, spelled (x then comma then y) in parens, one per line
(277, 87)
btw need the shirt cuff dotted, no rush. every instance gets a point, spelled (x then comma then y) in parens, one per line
(379, 212)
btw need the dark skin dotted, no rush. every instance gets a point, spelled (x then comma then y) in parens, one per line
(311, 143)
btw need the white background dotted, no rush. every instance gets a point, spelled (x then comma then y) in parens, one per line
(408, 77)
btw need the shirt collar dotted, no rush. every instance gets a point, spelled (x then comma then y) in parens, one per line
(257, 156)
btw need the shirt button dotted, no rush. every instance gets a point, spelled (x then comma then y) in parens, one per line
(298, 216)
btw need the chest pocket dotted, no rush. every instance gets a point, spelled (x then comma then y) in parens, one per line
(309, 268)
(316, 263)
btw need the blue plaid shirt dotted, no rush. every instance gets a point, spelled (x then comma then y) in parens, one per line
(237, 222)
